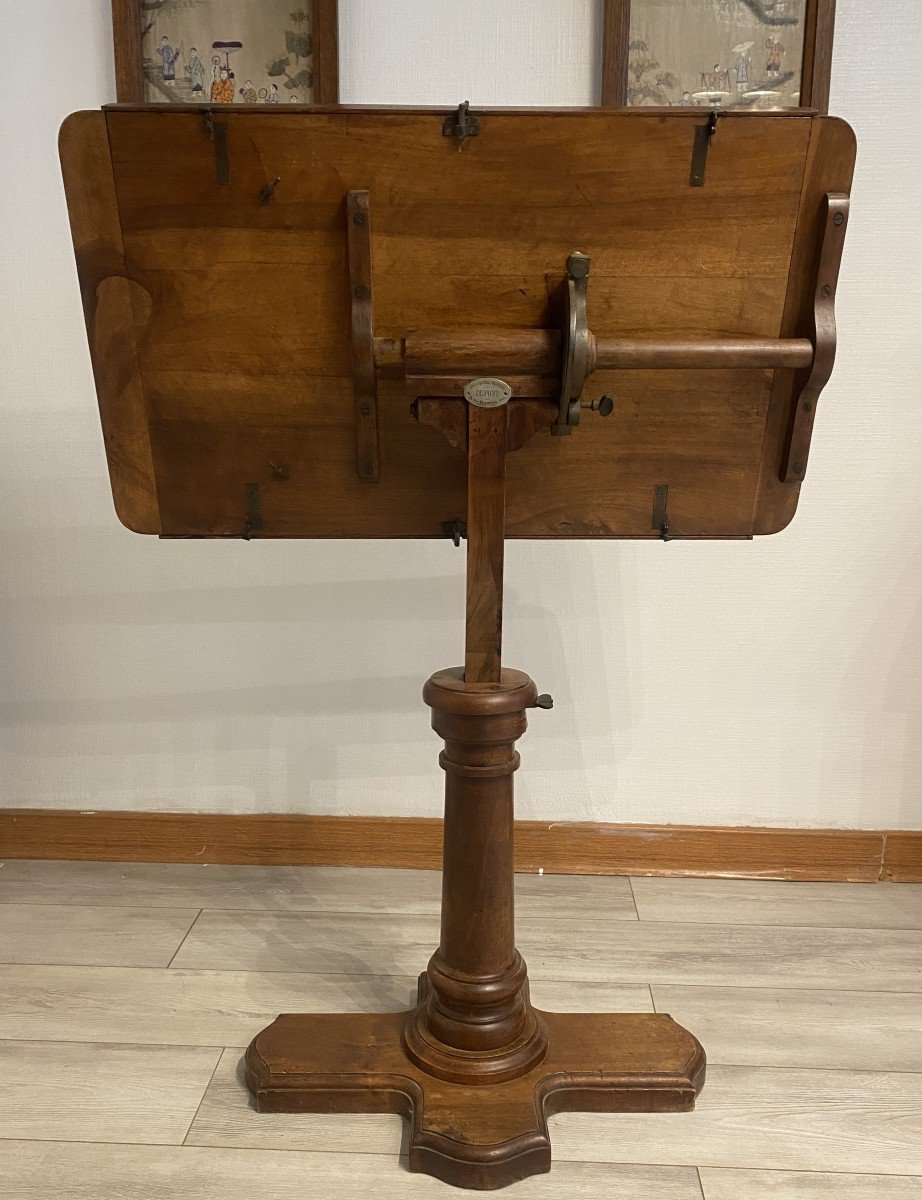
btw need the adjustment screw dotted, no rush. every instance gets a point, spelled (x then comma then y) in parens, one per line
(604, 406)
(544, 701)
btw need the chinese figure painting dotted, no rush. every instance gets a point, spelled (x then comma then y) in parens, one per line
(716, 53)
(227, 51)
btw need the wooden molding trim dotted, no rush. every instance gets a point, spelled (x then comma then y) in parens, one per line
(903, 856)
(562, 848)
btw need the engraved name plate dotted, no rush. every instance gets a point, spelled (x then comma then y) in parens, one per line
(488, 393)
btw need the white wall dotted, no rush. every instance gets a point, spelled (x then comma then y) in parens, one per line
(776, 682)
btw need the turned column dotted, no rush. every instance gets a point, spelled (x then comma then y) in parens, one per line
(475, 1022)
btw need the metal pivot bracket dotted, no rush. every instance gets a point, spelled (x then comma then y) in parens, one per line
(461, 124)
(365, 384)
(809, 384)
(576, 344)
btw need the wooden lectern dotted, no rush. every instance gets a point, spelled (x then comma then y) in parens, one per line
(403, 323)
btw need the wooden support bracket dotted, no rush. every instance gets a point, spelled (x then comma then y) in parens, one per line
(358, 233)
(809, 384)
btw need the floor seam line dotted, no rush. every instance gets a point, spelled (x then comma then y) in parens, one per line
(198, 1107)
(183, 941)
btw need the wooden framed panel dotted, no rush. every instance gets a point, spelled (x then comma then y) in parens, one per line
(763, 54)
(235, 51)
(219, 311)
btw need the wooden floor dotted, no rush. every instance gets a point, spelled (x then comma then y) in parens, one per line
(130, 991)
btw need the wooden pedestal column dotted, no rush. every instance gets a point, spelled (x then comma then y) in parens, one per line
(475, 1069)
(477, 1024)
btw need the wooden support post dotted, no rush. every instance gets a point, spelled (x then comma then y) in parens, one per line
(474, 1066)
(486, 515)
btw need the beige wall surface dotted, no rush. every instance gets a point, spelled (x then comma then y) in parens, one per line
(777, 682)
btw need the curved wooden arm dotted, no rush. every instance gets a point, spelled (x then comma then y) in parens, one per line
(807, 393)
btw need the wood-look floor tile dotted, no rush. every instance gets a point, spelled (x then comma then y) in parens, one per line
(565, 995)
(317, 889)
(62, 933)
(766, 902)
(621, 952)
(227, 1117)
(224, 1008)
(68, 1091)
(750, 956)
(178, 885)
(720, 1184)
(348, 943)
(774, 1119)
(178, 1008)
(81, 1172)
(865, 1031)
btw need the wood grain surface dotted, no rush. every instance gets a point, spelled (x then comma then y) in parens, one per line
(582, 848)
(238, 318)
(903, 856)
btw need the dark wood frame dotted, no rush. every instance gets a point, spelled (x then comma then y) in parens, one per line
(817, 61)
(129, 75)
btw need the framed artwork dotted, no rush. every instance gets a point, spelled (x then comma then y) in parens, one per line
(226, 51)
(758, 54)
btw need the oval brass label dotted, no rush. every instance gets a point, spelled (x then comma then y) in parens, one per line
(488, 393)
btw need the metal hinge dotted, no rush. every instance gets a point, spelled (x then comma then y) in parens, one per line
(462, 124)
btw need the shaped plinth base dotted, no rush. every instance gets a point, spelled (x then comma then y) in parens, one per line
(475, 1135)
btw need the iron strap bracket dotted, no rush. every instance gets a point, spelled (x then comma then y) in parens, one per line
(810, 383)
(364, 379)
(217, 131)
(704, 135)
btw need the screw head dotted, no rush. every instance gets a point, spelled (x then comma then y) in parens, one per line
(827, 290)
(361, 292)
(358, 218)
(838, 219)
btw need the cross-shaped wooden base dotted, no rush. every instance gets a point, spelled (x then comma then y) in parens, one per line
(480, 1136)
